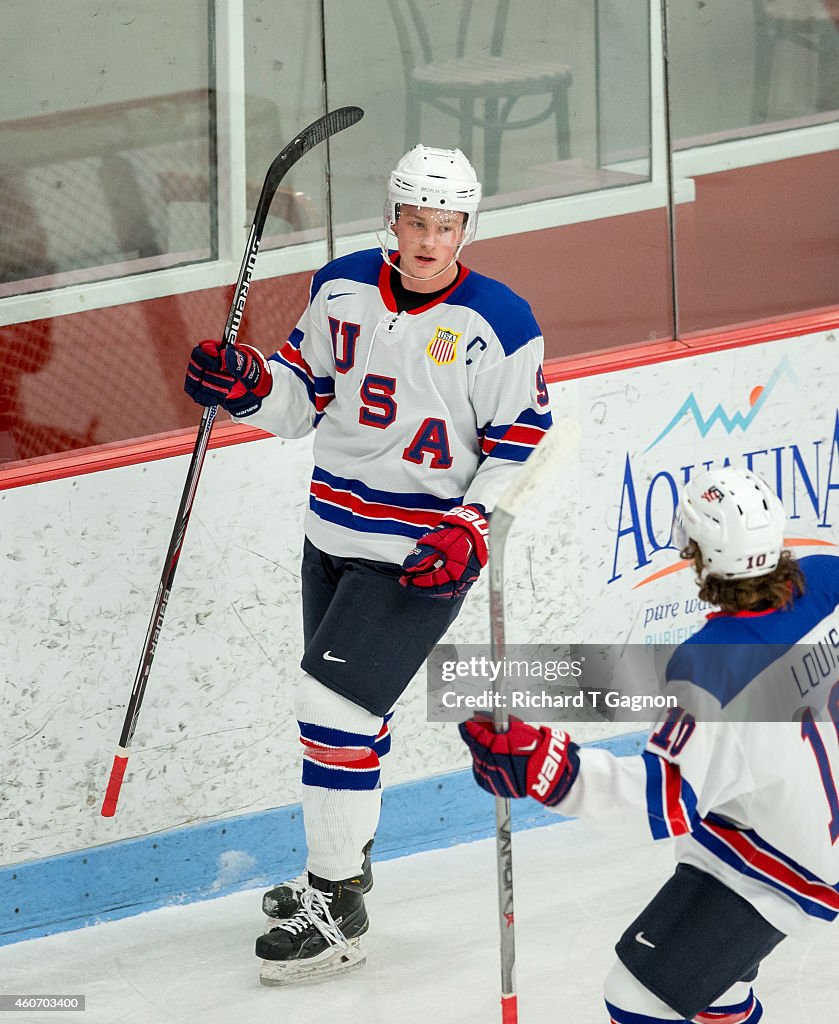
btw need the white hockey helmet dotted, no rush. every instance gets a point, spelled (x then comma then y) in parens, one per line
(737, 521)
(437, 179)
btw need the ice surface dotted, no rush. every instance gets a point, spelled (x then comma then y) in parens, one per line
(432, 948)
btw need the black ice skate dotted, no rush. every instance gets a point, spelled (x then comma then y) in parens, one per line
(284, 900)
(321, 940)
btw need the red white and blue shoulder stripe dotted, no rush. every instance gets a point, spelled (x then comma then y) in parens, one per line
(515, 441)
(355, 506)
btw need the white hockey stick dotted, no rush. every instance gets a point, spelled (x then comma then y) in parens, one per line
(557, 444)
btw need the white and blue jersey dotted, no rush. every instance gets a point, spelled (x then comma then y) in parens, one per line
(416, 412)
(744, 775)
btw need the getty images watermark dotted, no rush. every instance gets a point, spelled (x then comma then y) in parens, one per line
(632, 683)
(537, 692)
(553, 684)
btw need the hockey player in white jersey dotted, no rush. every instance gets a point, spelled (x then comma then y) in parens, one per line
(424, 384)
(743, 775)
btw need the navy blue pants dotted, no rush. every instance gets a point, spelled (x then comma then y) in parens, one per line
(698, 938)
(366, 636)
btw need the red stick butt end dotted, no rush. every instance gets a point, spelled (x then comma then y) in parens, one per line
(509, 1010)
(109, 804)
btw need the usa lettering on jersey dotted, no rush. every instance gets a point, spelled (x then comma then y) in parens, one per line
(415, 413)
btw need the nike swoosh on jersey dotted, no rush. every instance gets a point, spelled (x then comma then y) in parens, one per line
(329, 656)
(337, 295)
(644, 942)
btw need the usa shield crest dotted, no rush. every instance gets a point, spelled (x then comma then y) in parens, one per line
(443, 346)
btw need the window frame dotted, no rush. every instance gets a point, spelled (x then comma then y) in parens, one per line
(670, 183)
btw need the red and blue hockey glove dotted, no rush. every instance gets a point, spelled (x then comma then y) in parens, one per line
(524, 761)
(447, 561)
(237, 377)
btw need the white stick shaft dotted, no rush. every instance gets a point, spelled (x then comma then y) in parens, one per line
(555, 447)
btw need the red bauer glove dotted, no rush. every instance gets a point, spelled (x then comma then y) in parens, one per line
(524, 761)
(447, 561)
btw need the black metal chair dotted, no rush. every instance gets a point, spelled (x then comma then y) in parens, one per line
(805, 23)
(478, 86)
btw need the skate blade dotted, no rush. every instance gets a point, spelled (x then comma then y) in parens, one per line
(328, 964)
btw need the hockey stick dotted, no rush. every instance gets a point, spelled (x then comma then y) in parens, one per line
(326, 126)
(560, 440)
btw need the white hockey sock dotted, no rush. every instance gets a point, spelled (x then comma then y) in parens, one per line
(341, 778)
(629, 1002)
(338, 825)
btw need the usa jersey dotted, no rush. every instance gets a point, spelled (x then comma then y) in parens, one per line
(747, 784)
(416, 412)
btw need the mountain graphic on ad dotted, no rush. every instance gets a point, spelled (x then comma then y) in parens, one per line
(758, 397)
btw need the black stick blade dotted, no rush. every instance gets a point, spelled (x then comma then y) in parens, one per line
(318, 131)
(332, 123)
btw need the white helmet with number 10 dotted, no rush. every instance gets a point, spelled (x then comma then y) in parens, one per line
(435, 179)
(736, 520)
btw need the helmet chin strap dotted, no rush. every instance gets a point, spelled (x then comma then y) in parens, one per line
(386, 257)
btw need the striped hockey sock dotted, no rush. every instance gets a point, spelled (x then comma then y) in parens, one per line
(749, 1011)
(341, 778)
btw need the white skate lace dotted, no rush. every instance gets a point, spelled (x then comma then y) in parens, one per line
(314, 910)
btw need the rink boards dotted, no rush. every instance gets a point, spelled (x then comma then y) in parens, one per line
(209, 802)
